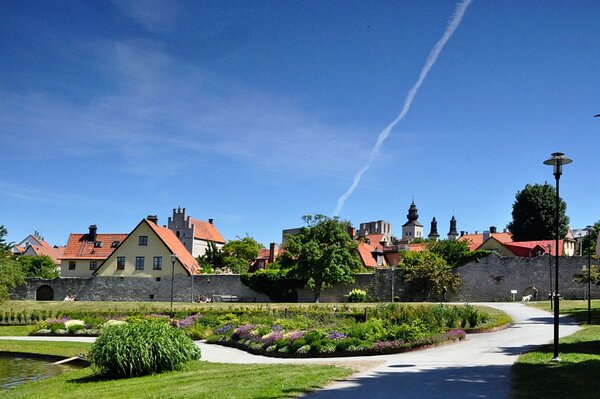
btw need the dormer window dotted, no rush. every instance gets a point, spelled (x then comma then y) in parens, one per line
(97, 244)
(114, 244)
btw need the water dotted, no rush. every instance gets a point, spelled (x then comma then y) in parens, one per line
(18, 370)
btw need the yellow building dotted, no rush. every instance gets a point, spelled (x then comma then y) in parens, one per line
(147, 252)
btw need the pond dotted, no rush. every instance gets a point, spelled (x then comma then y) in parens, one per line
(15, 370)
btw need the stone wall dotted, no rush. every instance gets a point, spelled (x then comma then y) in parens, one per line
(490, 279)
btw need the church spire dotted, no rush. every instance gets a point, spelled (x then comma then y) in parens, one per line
(453, 233)
(433, 235)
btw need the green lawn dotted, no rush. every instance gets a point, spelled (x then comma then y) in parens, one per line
(15, 331)
(67, 349)
(196, 380)
(534, 376)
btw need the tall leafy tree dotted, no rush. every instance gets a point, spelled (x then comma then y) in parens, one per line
(323, 253)
(11, 272)
(38, 266)
(589, 242)
(534, 214)
(426, 274)
(455, 252)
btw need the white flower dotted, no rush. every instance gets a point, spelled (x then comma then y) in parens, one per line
(114, 323)
(72, 323)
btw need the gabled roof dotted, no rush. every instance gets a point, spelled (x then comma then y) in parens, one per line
(477, 239)
(365, 252)
(374, 239)
(56, 253)
(175, 246)
(79, 246)
(206, 231)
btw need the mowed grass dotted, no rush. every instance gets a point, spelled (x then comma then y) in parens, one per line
(66, 349)
(196, 380)
(15, 331)
(535, 376)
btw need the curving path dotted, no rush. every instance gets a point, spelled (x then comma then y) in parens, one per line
(477, 367)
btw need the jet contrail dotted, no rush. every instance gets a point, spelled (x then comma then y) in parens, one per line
(459, 12)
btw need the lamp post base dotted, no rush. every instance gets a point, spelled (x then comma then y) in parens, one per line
(555, 359)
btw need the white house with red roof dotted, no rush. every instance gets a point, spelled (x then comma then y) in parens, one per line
(85, 252)
(32, 239)
(195, 234)
(147, 252)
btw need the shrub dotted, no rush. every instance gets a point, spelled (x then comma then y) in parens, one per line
(357, 296)
(140, 348)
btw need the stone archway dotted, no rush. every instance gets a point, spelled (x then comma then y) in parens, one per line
(44, 293)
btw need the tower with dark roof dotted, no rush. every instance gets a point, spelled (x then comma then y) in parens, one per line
(453, 233)
(412, 228)
(434, 235)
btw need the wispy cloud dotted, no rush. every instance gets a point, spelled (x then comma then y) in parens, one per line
(459, 12)
(154, 15)
(160, 106)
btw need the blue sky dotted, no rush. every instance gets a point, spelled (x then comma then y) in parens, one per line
(255, 113)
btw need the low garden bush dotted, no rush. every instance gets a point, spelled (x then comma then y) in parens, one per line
(141, 347)
(357, 296)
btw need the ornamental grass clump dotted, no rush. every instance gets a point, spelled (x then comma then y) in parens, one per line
(140, 348)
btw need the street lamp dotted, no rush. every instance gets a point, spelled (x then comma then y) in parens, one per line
(393, 275)
(589, 293)
(557, 161)
(173, 259)
(550, 270)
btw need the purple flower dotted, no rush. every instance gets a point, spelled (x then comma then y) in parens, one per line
(243, 332)
(224, 329)
(337, 335)
(189, 321)
(295, 335)
(454, 334)
(276, 327)
(270, 338)
(384, 345)
(62, 320)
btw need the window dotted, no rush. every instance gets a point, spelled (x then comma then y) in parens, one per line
(158, 279)
(71, 265)
(139, 263)
(93, 265)
(120, 263)
(143, 240)
(114, 244)
(157, 263)
(97, 244)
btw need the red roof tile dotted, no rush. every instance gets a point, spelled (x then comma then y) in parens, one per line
(477, 239)
(366, 254)
(176, 247)
(526, 248)
(78, 246)
(206, 231)
(55, 253)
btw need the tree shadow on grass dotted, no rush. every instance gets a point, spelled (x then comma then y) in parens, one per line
(400, 381)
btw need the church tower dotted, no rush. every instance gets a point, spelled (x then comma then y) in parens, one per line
(412, 229)
(452, 234)
(433, 235)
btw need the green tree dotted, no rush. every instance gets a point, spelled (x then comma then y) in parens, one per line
(591, 240)
(323, 253)
(212, 259)
(426, 274)
(455, 252)
(4, 246)
(38, 266)
(11, 275)
(240, 253)
(534, 214)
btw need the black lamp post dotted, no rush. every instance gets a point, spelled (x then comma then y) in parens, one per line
(557, 161)
(393, 278)
(550, 274)
(173, 259)
(589, 293)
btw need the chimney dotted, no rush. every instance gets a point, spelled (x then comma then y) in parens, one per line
(210, 221)
(505, 230)
(476, 231)
(271, 252)
(493, 229)
(92, 234)
(153, 219)
(486, 235)
(351, 232)
(462, 233)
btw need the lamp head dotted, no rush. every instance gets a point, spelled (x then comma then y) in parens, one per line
(173, 258)
(557, 161)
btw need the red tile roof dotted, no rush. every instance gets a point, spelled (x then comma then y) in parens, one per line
(206, 231)
(176, 247)
(477, 239)
(19, 249)
(366, 254)
(55, 253)
(78, 246)
(417, 247)
(527, 248)
(374, 239)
